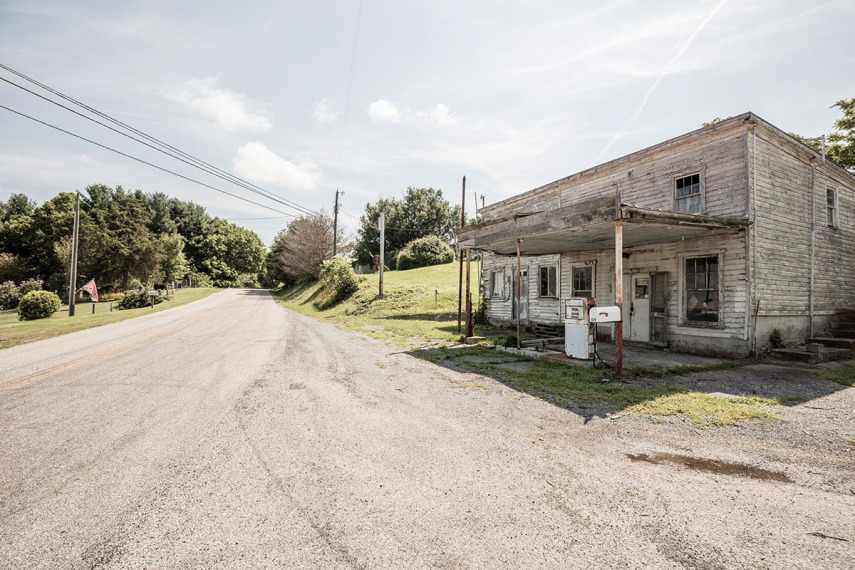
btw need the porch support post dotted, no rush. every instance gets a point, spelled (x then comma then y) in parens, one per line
(619, 294)
(519, 288)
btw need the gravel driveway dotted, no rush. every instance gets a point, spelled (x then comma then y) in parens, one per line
(311, 447)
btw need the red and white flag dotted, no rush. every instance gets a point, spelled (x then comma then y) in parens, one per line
(92, 290)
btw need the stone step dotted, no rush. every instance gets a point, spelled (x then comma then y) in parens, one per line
(843, 317)
(842, 333)
(800, 355)
(835, 342)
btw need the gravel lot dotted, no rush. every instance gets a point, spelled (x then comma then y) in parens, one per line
(304, 446)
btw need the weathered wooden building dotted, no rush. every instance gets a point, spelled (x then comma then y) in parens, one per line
(714, 224)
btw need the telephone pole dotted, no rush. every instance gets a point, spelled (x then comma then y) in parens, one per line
(335, 224)
(72, 286)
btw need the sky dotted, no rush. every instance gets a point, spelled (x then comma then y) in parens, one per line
(371, 97)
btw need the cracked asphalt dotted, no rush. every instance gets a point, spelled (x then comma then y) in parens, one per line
(232, 433)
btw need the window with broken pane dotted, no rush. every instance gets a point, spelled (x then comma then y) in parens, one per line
(702, 294)
(687, 194)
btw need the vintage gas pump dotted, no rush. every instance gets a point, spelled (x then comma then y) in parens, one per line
(578, 337)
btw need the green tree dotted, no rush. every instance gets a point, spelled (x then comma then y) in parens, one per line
(421, 212)
(115, 242)
(231, 255)
(840, 145)
(173, 264)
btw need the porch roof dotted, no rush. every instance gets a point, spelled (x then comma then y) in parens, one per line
(589, 225)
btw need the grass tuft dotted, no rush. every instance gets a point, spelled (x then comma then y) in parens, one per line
(843, 374)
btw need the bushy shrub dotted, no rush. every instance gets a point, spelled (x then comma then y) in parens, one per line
(29, 285)
(338, 282)
(137, 299)
(776, 339)
(422, 252)
(10, 295)
(136, 285)
(38, 305)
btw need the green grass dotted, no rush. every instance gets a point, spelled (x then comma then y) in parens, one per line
(14, 332)
(577, 387)
(425, 291)
(843, 374)
(434, 290)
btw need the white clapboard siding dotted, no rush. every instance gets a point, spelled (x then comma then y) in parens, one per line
(649, 180)
(783, 190)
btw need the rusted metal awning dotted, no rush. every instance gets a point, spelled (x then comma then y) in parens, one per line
(589, 225)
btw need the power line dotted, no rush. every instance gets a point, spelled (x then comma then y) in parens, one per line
(144, 162)
(193, 161)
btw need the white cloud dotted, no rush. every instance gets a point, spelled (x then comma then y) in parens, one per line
(440, 115)
(257, 163)
(324, 112)
(228, 109)
(384, 111)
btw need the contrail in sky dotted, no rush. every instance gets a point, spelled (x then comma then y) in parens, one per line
(665, 70)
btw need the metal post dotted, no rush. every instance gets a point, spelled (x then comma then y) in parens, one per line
(619, 294)
(469, 327)
(519, 288)
(72, 286)
(460, 253)
(382, 248)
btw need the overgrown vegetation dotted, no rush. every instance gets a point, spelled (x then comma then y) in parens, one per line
(338, 283)
(424, 252)
(38, 305)
(843, 374)
(776, 339)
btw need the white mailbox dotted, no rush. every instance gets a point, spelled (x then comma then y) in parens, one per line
(578, 339)
(605, 314)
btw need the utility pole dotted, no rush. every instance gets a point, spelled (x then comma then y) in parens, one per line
(335, 224)
(72, 285)
(382, 249)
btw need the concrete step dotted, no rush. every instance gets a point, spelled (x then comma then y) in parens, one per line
(843, 328)
(835, 342)
(800, 355)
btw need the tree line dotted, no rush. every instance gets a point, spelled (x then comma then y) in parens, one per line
(124, 235)
(299, 250)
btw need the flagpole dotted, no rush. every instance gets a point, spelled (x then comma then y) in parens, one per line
(72, 287)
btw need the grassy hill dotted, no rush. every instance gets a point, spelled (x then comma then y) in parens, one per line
(425, 293)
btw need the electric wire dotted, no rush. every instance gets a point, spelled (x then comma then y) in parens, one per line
(105, 147)
(194, 161)
(142, 142)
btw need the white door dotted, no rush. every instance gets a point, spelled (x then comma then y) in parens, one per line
(639, 308)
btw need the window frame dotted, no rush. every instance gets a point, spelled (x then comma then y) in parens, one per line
(701, 192)
(590, 266)
(556, 285)
(684, 291)
(501, 292)
(832, 211)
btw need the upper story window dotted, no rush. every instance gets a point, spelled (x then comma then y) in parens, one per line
(497, 284)
(583, 281)
(831, 207)
(688, 194)
(548, 281)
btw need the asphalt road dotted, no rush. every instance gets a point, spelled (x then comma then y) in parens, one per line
(232, 433)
